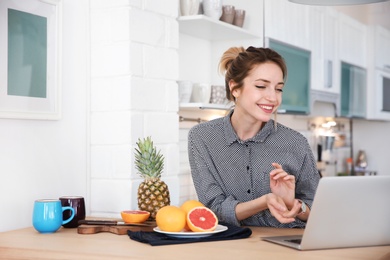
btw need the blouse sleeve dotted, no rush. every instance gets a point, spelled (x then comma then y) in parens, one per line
(208, 184)
(307, 182)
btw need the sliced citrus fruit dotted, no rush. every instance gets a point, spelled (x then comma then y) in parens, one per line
(134, 216)
(188, 205)
(202, 219)
(171, 219)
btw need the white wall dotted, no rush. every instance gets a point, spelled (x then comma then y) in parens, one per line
(373, 138)
(134, 69)
(119, 72)
(48, 159)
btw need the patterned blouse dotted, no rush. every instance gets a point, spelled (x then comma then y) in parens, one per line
(227, 170)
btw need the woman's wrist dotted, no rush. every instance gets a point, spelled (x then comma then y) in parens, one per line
(290, 204)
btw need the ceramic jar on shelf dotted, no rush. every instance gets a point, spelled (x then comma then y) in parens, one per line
(189, 7)
(213, 8)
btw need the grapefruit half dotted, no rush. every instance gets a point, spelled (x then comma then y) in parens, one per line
(187, 206)
(202, 219)
(134, 216)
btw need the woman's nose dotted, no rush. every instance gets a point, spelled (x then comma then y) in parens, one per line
(271, 94)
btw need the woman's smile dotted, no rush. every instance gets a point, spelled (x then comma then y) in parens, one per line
(267, 108)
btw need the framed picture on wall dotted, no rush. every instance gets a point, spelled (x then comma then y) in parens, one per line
(30, 51)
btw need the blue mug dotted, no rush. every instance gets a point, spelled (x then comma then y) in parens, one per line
(47, 215)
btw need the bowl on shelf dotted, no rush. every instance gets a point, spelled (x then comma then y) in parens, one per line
(135, 216)
(218, 95)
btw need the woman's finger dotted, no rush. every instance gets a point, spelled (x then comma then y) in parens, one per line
(277, 165)
(280, 217)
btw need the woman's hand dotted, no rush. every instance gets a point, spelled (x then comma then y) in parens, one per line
(279, 210)
(282, 185)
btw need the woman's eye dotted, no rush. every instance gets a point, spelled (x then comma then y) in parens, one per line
(279, 89)
(260, 86)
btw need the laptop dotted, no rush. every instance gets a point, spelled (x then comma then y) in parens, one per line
(348, 211)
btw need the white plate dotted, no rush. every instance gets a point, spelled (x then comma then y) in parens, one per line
(184, 234)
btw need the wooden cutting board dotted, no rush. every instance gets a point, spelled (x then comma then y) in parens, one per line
(119, 230)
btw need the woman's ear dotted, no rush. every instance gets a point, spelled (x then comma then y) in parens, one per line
(231, 86)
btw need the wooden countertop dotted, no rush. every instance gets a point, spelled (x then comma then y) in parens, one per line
(68, 244)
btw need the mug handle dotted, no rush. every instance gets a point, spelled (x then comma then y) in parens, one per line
(71, 217)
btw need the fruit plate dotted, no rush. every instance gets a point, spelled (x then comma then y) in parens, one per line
(188, 234)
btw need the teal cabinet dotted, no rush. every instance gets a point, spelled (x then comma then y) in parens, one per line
(353, 91)
(296, 92)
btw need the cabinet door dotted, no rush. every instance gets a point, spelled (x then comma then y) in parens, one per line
(385, 94)
(382, 48)
(353, 41)
(353, 91)
(297, 86)
(380, 103)
(323, 30)
(287, 22)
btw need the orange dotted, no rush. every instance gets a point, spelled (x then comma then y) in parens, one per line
(171, 219)
(202, 219)
(188, 205)
(134, 216)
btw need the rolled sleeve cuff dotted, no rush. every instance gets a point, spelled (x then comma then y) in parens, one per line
(228, 210)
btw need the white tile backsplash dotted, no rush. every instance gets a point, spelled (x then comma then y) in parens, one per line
(147, 94)
(167, 7)
(164, 127)
(111, 196)
(137, 59)
(111, 127)
(110, 94)
(101, 162)
(110, 60)
(161, 63)
(147, 27)
(134, 69)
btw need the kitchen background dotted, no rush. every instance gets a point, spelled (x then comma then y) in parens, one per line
(120, 64)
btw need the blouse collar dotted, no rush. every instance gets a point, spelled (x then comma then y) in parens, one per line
(231, 135)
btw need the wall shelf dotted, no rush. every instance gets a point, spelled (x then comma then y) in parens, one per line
(204, 106)
(204, 27)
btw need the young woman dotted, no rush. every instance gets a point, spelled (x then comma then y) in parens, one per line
(246, 167)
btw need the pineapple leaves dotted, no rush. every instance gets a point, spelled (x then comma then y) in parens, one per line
(148, 161)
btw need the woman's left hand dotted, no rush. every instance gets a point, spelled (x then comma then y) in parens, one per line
(282, 184)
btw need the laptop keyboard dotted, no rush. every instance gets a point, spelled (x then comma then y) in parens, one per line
(296, 241)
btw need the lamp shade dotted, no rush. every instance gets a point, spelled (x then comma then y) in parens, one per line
(336, 2)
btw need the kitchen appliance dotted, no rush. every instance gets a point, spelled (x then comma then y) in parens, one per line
(327, 157)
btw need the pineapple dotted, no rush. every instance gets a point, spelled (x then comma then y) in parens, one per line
(153, 193)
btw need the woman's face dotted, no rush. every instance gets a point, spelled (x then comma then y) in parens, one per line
(261, 93)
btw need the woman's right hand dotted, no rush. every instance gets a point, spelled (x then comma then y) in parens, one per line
(278, 208)
(282, 184)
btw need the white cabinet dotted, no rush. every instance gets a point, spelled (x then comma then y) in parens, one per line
(352, 41)
(353, 91)
(378, 74)
(378, 95)
(323, 31)
(381, 38)
(287, 22)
